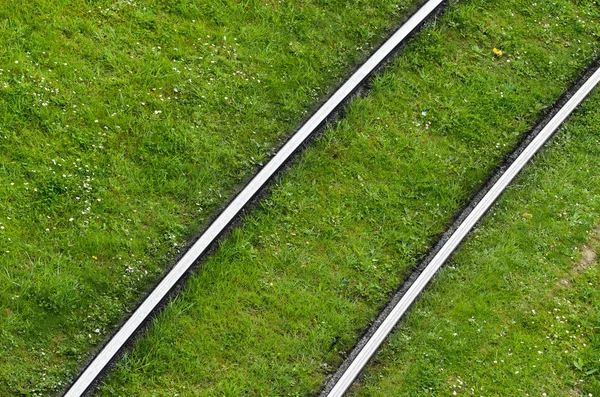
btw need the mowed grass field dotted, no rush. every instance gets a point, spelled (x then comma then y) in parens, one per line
(515, 313)
(124, 125)
(288, 293)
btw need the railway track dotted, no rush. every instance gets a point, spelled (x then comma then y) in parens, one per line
(86, 380)
(368, 347)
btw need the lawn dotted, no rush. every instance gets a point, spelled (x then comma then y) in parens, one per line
(124, 126)
(289, 292)
(515, 313)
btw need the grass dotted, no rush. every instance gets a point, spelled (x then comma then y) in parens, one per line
(289, 292)
(515, 313)
(124, 126)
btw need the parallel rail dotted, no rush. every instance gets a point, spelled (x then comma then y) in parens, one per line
(94, 370)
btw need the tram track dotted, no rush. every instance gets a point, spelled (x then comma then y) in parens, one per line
(93, 372)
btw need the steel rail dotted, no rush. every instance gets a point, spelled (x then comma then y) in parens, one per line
(381, 333)
(91, 373)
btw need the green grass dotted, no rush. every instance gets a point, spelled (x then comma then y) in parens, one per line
(124, 125)
(289, 292)
(515, 313)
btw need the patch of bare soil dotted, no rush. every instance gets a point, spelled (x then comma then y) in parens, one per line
(588, 258)
(589, 255)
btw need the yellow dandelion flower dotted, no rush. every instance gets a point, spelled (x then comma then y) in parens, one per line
(94, 257)
(497, 52)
